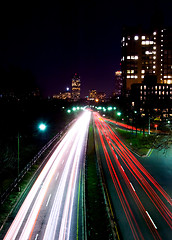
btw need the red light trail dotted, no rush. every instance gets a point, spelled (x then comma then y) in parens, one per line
(116, 153)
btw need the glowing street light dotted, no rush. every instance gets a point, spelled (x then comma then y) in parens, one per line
(118, 113)
(42, 127)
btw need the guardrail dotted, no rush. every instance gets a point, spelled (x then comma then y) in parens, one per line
(17, 180)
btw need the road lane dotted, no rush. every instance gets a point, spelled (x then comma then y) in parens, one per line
(139, 201)
(51, 205)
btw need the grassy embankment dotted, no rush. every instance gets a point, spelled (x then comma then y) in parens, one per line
(98, 225)
(140, 143)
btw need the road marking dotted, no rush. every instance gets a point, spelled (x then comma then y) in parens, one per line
(57, 176)
(48, 200)
(122, 168)
(36, 236)
(151, 220)
(132, 186)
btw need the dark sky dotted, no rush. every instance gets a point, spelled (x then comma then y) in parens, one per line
(55, 39)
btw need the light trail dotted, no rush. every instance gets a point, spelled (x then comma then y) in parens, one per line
(26, 219)
(117, 148)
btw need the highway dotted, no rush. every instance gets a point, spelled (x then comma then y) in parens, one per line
(53, 209)
(142, 207)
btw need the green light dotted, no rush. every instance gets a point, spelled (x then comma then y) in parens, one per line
(109, 108)
(42, 127)
(68, 110)
(77, 108)
(119, 113)
(74, 109)
(114, 108)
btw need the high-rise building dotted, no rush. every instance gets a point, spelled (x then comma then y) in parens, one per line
(146, 53)
(76, 87)
(118, 83)
(92, 95)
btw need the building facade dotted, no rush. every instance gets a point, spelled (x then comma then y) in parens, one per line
(146, 53)
(118, 84)
(76, 88)
(152, 98)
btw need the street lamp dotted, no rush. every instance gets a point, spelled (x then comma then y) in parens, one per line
(42, 127)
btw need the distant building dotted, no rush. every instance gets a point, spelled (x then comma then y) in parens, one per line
(118, 84)
(63, 96)
(146, 53)
(101, 96)
(92, 95)
(76, 88)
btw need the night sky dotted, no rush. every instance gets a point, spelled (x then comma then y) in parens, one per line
(55, 39)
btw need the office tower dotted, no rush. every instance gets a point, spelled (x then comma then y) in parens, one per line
(146, 53)
(76, 87)
(118, 83)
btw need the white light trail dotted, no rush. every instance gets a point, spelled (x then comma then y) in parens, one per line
(48, 200)
(132, 186)
(40, 187)
(71, 167)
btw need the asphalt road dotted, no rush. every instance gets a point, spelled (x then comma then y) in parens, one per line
(142, 205)
(53, 209)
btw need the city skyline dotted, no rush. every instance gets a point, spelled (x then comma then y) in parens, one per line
(55, 40)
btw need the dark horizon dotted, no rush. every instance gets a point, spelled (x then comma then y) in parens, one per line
(55, 40)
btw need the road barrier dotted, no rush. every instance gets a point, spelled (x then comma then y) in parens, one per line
(15, 183)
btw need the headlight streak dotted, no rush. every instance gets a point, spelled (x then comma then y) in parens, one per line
(135, 168)
(40, 187)
(67, 212)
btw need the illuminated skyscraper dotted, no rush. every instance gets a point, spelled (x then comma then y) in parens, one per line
(76, 87)
(118, 83)
(146, 53)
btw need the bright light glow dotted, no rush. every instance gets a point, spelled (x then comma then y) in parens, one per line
(136, 38)
(42, 127)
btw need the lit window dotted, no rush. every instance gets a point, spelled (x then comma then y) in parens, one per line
(128, 57)
(143, 37)
(136, 38)
(154, 67)
(142, 76)
(154, 33)
(142, 71)
(144, 86)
